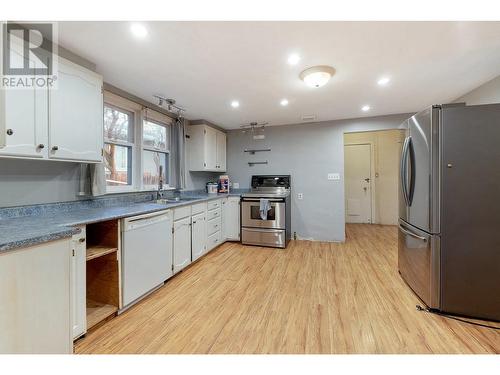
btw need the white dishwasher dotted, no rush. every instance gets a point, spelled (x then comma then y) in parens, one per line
(146, 254)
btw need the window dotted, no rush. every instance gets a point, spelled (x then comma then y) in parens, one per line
(155, 154)
(136, 145)
(118, 148)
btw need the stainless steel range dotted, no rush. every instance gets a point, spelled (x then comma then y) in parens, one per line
(274, 230)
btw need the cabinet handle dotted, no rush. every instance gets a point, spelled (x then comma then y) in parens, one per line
(41, 145)
(55, 148)
(81, 240)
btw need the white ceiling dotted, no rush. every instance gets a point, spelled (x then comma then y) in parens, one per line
(206, 65)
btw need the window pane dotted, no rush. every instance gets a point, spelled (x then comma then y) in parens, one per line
(118, 125)
(117, 165)
(151, 166)
(154, 135)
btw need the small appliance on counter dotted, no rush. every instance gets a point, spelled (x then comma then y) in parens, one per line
(224, 184)
(212, 187)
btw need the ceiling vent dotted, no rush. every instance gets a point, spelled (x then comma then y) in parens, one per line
(308, 118)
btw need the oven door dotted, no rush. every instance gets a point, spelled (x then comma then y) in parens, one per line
(250, 214)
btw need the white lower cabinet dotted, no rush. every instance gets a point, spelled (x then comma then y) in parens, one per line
(214, 223)
(35, 295)
(182, 243)
(78, 284)
(198, 235)
(231, 219)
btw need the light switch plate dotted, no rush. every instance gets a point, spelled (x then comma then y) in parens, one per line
(300, 196)
(236, 185)
(334, 176)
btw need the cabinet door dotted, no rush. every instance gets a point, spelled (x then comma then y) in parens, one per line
(199, 235)
(210, 149)
(221, 151)
(24, 116)
(76, 115)
(78, 287)
(231, 219)
(182, 243)
(35, 313)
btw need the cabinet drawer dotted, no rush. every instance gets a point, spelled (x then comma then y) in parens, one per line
(199, 208)
(213, 214)
(212, 205)
(213, 226)
(182, 212)
(213, 240)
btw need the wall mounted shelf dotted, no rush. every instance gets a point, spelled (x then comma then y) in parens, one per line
(252, 163)
(252, 152)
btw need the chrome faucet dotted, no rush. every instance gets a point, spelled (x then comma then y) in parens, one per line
(160, 183)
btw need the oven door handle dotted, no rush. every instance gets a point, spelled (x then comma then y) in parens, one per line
(263, 230)
(258, 200)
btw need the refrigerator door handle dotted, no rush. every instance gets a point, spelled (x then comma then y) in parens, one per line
(411, 174)
(406, 231)
(403, 171)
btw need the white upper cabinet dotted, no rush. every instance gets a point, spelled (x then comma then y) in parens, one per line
(62, 123)
(206, 149)
(221, 151)
(24, 119)
(76, 115)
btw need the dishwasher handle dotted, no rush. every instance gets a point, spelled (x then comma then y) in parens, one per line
(142, 221)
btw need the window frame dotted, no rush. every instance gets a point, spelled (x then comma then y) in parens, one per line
(165, 121)
(140, 114)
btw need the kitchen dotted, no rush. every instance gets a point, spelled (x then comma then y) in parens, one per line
(190, 210)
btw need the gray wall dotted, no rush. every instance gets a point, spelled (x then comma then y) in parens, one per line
(37, 181)
(308, 152)
(484, 94)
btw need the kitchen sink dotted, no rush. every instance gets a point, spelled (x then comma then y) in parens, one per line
(175, 200)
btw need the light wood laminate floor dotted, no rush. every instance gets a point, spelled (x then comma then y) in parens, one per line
(313, 297)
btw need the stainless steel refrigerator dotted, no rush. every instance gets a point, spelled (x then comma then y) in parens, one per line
(449, 209)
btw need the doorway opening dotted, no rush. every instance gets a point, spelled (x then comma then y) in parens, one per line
(371, 169)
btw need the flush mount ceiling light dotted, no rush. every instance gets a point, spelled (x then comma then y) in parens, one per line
(383, 81)
(317, 76)
(138, 30)
(284, 102)
(293, 59)
(365, 108)
(235, 104)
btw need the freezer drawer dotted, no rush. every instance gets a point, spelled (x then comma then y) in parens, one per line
(263, 237)
(418, 262)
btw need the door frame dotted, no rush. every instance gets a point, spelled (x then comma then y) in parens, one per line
(373, 205)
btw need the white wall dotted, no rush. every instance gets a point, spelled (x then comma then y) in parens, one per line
(386, 144)
(484, 94)
(308, 152)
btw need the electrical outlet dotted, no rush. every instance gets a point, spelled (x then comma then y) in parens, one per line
(334, 176)
(300, 196)
(236, 185)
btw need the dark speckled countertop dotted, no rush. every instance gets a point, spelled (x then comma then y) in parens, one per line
(31, 225)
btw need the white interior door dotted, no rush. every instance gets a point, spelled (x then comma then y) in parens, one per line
(358, 181)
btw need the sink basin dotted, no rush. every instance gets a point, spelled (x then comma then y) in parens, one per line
(175, 200)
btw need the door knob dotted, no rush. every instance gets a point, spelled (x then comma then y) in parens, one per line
(367, 179)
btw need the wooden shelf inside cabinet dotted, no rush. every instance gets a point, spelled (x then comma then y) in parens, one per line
(98, 251)
(97, 312)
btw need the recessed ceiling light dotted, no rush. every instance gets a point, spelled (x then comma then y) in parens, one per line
(383, 81)
(235, 104)
(284, 102)
(293, 59)
(138, 30)
(365, 108)
(317, 76)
